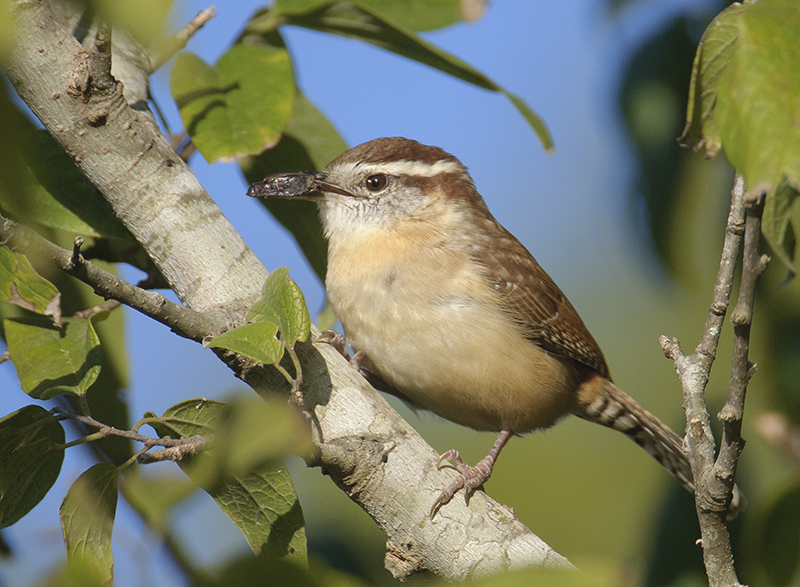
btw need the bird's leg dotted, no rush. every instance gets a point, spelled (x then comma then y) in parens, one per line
(469, 478)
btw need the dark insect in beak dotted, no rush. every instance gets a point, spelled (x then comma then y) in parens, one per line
(300, 185)
(297, 184)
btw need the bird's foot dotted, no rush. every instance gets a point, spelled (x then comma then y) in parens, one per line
(469, 478)
(339, 342)
(336, 340)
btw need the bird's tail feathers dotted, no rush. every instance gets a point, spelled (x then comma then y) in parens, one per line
(600, 401)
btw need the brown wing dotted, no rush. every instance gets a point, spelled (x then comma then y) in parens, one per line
(534, 301)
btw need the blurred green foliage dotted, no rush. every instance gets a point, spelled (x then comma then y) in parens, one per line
(682, 193)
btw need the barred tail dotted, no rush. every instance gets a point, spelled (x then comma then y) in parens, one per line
(600, 401)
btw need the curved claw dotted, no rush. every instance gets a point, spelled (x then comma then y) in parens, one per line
(336, 340)
(358, 360)
(452, 455)
(446, 495)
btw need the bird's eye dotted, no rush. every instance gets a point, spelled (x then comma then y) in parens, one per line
(377, 182)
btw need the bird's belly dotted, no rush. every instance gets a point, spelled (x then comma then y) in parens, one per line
(453, 354)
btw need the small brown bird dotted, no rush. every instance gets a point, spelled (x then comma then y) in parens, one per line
(452, 311)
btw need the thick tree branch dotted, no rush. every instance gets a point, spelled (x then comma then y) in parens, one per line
(364, 445)
(123, 154)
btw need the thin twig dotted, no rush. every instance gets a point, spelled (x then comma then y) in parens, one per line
(176, 448)
(707, 347)
(297, 395)
(713, 488)
(742, 370)
(100, 59)
(107, 430)
(76, 258)
(104, 307)
(165, 50)
(191, 446)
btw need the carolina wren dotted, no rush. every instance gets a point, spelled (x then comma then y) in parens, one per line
(452, 312)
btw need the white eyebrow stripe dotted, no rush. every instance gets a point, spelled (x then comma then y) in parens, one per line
(413, 168)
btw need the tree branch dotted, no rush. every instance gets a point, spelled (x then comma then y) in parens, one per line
(363, 444)
(167, 49)
(714, 479)
(742, 370)
(183, 321)
(176, 448)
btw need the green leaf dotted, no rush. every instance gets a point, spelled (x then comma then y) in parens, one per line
(776, 224)
(353, 21)
(264, 506)
(326, 319)
(240, 105)
(426, 15)
(415, 15)
(188, 418)
(144, 19)
(745, 98)
(31, 454)
(51, 361)
(87, 519)
(758, 95)
(241, 471)
(280, 312)
(246, 571)
(309, 142)
(79, 573)
(22, 286)
(282, 303)
(713, 55)
(257, 341)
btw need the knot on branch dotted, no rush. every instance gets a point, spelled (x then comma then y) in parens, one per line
(354, 461)
(671, 347)
(719, 308)
(717, 494)
(400, 562)
(736, 227)
(79, 78)
(741, 318)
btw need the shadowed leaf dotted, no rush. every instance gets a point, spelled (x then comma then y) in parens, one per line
(31, 454)
(51, 361)
(21, 285)
(242, 470)
(87, 518)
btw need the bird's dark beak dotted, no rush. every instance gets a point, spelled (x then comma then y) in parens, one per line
(298, 185)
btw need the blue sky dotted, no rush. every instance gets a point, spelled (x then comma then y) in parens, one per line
(571, 208)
